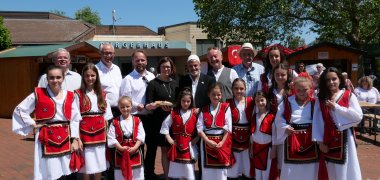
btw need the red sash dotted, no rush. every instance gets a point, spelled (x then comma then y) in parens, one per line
(55, 140)
(220, 116)
(45, 105)
(219, 157)
(135, 158)
(260, 153)
(334, 139)
(183, 134)
(299, 147)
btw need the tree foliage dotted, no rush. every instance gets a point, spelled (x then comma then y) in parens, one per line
(5, 36)
(354, 23)
(87, 15)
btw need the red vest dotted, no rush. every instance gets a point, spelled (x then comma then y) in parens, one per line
(183, 134)
(45, 105)
(334, 139)
(299, 147)
(249, 106)
(266, 124)
(136, 158)
(220, 116)
(85, 103)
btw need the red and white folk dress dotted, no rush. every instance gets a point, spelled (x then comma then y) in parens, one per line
(50, 161)
(183, 127)
(213, 122)
(93, 132)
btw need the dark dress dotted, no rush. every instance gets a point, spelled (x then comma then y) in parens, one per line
(157, 90)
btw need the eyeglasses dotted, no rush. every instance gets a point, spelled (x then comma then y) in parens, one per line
(107, 53)
(145, 79)
(319, 67)
(249, 77)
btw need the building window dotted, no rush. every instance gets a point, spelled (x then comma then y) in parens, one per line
(204, 44)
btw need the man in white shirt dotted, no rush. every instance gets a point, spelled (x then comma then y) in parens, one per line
(110, 76)
(135, 83)
(224, 75)
(72, 80)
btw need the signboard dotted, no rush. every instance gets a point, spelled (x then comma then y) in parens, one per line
(323, 55)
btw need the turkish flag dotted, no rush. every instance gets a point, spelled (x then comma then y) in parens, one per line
(233, 55)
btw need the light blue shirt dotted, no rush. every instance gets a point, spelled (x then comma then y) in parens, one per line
(251, 76)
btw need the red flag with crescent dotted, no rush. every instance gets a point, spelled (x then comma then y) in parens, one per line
(233, 55)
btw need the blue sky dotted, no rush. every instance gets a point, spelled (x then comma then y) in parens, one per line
(152, 14)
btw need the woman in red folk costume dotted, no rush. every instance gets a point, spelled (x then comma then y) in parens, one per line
(241, 111)
(92, 129)
(126, 134)
(182, 123)
(275, 56)
(336, 112)
(293, 125)
(214, 127)
(261, 150)
(56, 123)
(277, 93)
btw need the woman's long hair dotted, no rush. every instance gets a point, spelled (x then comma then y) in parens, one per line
(97, 86)
(274, 86)
(324, 92)
(268, 65)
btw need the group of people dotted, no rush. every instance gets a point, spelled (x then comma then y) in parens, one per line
(250, 121)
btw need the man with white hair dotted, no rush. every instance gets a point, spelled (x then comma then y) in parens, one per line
(248, 70)
(198, 82)
(72, 80)
(110, 76)
(224, 75)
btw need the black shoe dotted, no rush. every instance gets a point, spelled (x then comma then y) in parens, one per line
(151, 176)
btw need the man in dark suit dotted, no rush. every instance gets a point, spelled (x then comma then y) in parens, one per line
(198, 82)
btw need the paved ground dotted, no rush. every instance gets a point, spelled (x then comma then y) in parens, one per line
(16, 154)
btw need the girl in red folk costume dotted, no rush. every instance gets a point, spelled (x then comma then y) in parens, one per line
(275, 56)
(241, 111)
(92, 129)
(214, 127)
(336, 112)
(126, 134)
(293, 125)
(182, 123)
(279, 90)
(56, 123)
(261, 150)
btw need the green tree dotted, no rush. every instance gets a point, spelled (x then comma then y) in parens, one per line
(55, 11)
(353, 23)
(87, 15)
(5, 36)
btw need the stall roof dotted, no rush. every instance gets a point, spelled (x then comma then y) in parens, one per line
(31, 51)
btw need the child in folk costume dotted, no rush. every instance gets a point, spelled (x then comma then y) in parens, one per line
(241, 111)
(336, 112)
(126, 134)
(56, 123)
(182, 123)
(262, 126)
(293, 125)
(92, 129)
(279, 90)
(214, 127)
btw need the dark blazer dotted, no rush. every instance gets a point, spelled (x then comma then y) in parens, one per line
(201, 93)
